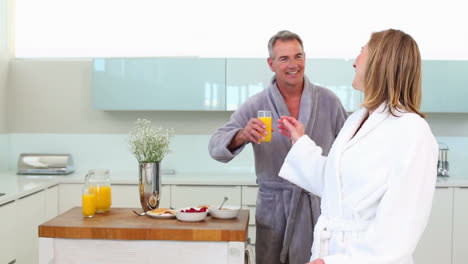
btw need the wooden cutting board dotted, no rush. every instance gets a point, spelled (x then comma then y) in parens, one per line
(122, 223)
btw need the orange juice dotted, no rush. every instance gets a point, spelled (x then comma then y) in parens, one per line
(267, 121)
(88, 204)
(103, 198)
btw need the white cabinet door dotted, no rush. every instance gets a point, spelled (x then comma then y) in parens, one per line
(69, 196)
(51, 204)
(249, 201)
(186, 195)
(435, 246)
(127, 196)
(7, 232)
(460, 226)
(30, 214)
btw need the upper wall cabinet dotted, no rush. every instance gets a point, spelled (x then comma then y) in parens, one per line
(445, 86)
(192, 84)
(336, 75)
(246, 77)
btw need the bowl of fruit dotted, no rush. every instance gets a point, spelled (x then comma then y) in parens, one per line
(191, 214)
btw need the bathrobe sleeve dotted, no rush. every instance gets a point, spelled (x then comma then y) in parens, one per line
(224, 135)
(304, 166)
(404, 208)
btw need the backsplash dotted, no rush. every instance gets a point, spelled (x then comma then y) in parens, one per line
(189, 153)
(457, 155)
(3, 151)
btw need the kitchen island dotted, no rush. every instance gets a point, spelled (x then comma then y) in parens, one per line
(120, 236)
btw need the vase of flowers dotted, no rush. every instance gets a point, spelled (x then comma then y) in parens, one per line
(150, 145)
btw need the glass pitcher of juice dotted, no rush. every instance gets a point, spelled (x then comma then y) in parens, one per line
(99, 182)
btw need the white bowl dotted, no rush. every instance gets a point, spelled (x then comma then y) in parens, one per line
(190, 217)
(227, 212)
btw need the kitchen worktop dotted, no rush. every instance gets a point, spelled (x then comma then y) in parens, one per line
(16, 186)
(121, 223)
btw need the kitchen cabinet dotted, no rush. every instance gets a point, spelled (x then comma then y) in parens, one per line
(460, 226)
(51, 202)
(7, 232)
(246, 77)
(69, 196)
(30, 214)
(189, 195)
(444, 85)
(249, 201)
(189, 84)
(435, 245)
(337, 75)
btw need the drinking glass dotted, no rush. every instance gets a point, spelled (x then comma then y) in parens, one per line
(265, 117)
(88, 202)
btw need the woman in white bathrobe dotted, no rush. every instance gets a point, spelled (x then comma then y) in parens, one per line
(378, 181)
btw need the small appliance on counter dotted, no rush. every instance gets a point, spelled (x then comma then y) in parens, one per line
(442, 163)
(45, 164)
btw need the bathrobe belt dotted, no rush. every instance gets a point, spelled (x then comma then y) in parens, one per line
(324, 228)
(291, 217)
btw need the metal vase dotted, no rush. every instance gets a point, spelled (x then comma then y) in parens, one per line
(150, 185)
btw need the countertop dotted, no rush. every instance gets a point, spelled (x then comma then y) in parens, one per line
(16, 186)
(122, 224)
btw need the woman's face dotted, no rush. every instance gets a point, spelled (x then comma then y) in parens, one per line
(360, 66)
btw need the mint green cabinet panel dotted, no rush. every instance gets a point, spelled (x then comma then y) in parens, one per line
(244, 78)
(159, 84)
(445, 86)
(336, 75)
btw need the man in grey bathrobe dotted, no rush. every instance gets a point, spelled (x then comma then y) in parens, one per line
(285, 213)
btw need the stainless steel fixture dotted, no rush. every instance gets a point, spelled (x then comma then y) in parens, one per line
(45, 164)
(442, 163)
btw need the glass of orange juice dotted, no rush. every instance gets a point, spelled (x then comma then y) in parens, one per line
(88, 202)
(265, 117)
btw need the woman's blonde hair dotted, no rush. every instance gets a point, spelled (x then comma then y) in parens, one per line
(393, 72)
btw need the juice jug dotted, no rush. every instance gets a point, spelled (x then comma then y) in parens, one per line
(99, 183)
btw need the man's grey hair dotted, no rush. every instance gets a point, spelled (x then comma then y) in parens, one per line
(284, 35)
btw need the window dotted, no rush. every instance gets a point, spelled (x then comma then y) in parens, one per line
(220, 28)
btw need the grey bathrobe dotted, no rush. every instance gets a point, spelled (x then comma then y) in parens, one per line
(285, 213)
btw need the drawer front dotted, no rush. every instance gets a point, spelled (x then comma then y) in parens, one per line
(249, 195)
(187, 195)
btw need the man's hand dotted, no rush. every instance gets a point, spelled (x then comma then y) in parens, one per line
(253, 131)
(317, 261)
(291, 128)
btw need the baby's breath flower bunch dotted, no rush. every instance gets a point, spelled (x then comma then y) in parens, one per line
(149, 143)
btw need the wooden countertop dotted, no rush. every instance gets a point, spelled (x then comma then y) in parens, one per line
(122, 223)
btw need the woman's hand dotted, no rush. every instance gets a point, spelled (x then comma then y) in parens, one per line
(317, 261)
(290, 127)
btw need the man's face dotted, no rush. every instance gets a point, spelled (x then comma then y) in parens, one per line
(288, 63)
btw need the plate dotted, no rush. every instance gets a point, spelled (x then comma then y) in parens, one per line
(161, 216)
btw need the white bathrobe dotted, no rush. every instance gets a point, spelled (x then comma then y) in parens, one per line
(376, 187)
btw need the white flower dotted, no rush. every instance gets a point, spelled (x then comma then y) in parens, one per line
(149, 143)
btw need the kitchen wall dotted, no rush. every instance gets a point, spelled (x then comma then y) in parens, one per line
(4, 58)
(50, 108)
